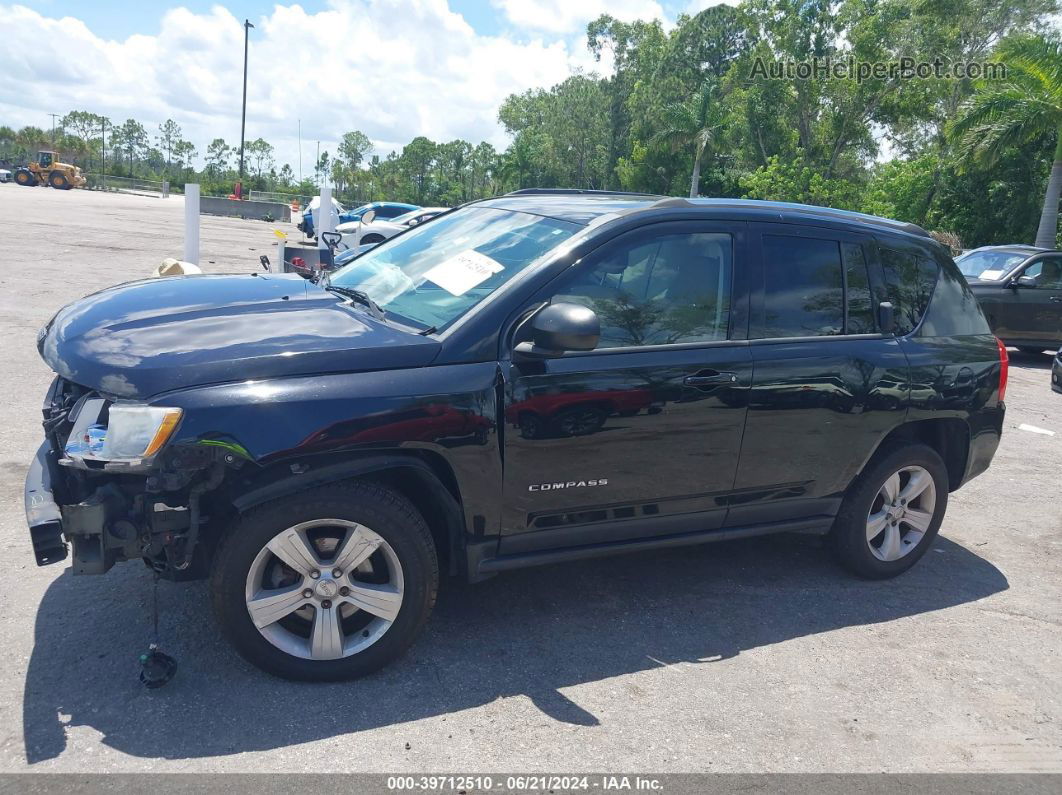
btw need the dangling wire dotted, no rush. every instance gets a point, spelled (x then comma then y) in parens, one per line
(156, 668)
(155, 606)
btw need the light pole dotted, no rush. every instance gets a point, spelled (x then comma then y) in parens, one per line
(243, 118)
(103, 142)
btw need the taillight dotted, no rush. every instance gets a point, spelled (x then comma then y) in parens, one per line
(1004, 368)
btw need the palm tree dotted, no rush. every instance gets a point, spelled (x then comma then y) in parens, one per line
(1024, 107)
(692, 122)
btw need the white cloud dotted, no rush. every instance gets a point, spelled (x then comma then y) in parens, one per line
(394, 69)
(566, 16)
(694, 7)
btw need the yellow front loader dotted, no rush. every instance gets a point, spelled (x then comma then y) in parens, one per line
(47, 170)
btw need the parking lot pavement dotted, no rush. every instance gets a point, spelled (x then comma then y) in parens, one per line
(754, 655)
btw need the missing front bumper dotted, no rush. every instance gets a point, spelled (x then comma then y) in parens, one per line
(43, 516)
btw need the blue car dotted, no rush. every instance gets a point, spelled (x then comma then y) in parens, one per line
(383, 210)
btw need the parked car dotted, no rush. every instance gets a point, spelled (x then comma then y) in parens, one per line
(323, 451)
(355, 233)
(5, 175)
(382, 209)
(1020, 292)
(992, 262)
(1056, 372)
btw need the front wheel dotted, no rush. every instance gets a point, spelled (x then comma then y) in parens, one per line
(332, 584)
(892, 512)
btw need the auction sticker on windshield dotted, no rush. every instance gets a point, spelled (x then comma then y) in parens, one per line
(463, 271)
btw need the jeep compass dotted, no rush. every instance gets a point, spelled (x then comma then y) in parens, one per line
(539, 377)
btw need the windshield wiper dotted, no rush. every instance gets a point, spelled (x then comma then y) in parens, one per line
(357, 295)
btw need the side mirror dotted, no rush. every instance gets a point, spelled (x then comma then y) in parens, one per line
(886, 317)
(558, 328)
(1025, 281)
(369, 217)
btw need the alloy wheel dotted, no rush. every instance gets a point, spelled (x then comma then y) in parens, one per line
(901, 513)
(324, 589)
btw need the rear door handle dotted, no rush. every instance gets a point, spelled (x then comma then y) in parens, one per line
(710, 378)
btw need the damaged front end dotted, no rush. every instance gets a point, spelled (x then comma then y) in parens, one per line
(105, 483)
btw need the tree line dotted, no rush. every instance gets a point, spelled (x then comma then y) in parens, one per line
(690, 110)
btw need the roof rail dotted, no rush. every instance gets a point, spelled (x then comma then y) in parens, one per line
(570, 191)
(804, 209)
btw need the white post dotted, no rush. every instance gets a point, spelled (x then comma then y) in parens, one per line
(326, 219)
(326, 223)
(191, 224)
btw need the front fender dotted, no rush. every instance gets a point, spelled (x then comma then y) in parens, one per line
(337, 422)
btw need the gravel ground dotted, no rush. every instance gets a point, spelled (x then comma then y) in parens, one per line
(748, 656)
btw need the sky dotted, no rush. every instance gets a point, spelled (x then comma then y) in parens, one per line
(394, 69)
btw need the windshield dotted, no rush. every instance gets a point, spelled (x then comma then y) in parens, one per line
(435, 273)
(404, 217)
(989, 265)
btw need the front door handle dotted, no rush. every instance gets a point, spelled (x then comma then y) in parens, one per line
(710, 378)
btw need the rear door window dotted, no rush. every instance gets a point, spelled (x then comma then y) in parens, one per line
(815, 287)
(910, 277)
(803, 287)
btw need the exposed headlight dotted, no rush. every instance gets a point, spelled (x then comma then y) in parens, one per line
(134, 433)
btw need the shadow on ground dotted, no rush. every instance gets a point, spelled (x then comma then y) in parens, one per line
(529, 632)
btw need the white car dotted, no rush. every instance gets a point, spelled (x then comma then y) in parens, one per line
(357, 234)
(5, 175)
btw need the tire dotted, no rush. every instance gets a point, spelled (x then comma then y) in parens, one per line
(25, 177)
(1031, 350)
(58, 180)
(897, 546)
(371, 239)
(362, 640)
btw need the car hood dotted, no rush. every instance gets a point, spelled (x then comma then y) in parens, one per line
(142, 338)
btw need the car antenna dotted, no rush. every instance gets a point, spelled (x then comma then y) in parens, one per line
(156, 668)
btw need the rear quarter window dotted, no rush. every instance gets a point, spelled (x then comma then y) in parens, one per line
(953, 310)
(910, 276)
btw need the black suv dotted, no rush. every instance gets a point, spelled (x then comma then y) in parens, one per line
(535, 378)
(1020, 290)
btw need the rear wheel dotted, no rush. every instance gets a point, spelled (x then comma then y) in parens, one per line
(25, 177)
(892, 512)
(331, 584)
(58, 180)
